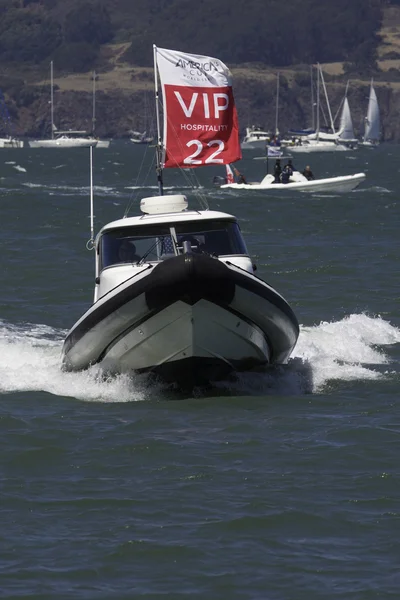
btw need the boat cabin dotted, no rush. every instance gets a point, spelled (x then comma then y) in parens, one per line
(128, 246)
(254, 134)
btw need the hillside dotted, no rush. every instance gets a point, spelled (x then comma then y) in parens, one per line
(125, 89)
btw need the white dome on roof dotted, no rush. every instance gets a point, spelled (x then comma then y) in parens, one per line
(154, 205)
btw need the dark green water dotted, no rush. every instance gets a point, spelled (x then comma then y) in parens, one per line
(274, 487)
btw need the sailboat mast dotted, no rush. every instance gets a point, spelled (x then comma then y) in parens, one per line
(51, 100)
(312, 99)
(326, 98)
(366, 119)
(318, 103)
(277, 105)
(159, 141)
(91, 241)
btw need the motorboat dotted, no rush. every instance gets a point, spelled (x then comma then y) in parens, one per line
(140, 137)
(255, 138)
(102, 143)
(176, 293)
(298, 182)
(11, 142)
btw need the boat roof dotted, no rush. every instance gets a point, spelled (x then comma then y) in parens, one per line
(168, 218)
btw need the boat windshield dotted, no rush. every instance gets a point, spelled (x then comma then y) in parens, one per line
(154, 242)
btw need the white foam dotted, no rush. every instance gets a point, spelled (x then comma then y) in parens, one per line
(166, 187)
(346, 350)
(19, 168)
(30, 360)
(69, 190)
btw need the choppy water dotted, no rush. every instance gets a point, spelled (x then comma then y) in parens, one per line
(280, 486)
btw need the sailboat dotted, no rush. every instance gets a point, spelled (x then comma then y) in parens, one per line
(175, 290)
(346, 130)
(319, 141)
(372, 120)
(61, 139)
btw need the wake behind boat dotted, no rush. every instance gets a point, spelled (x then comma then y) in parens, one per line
(176, 293)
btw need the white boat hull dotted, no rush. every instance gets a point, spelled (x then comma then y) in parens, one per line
(103, 144)
(11, 143)
(181, 332)
(369, 144)
(190, 319)
(144, 141)
(63, 143)
(345, 183)
(255, 144)
(318, 147)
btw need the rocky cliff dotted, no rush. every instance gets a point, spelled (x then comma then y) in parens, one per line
(124, 94)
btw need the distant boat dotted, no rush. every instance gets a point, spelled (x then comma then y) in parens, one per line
(65, 139)
(11, 142)
(138, 137)
(62, 139)
(8, 140)
(372, 120)
(255, 138)
(319, 141)
(346, 131)
(297, 182)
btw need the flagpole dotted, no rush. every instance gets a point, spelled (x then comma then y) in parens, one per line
(159, 141)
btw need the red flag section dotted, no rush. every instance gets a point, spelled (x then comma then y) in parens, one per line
(200, 118)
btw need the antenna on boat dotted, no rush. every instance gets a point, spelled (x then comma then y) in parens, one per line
(94, 103)
(90, 242)
(159, 142)
(318, 101)
(52, 99)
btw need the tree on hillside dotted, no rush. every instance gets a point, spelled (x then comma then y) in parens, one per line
(28, 35)
(268, 31)
(77, 57)
(88, 22)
